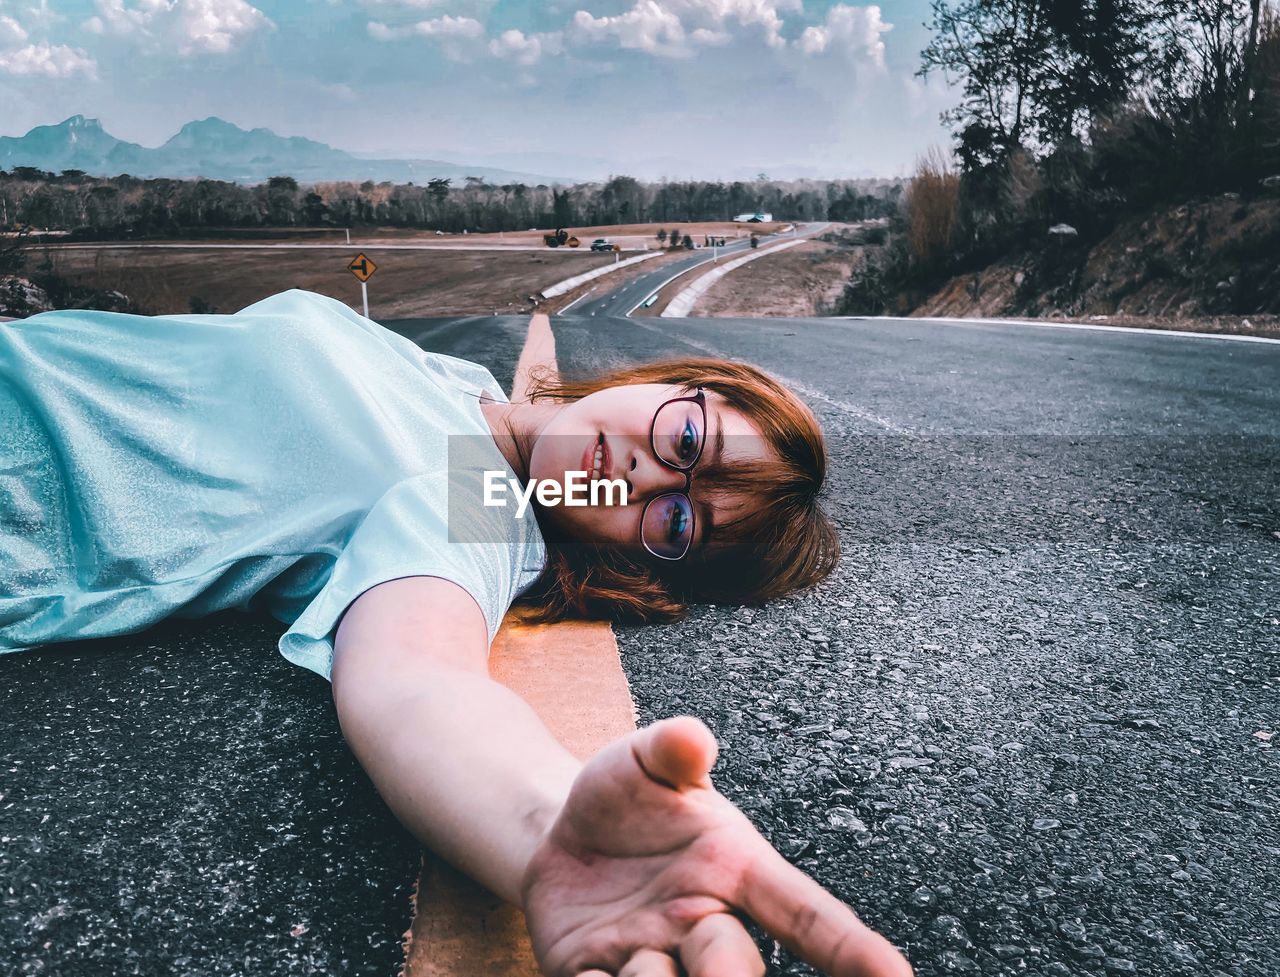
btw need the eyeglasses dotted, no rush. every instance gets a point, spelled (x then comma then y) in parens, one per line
(677, 435)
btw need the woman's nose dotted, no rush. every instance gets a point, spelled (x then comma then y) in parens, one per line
(647, 477)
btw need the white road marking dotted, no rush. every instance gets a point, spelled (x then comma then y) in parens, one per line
(655, 291)
(1059, 325)
(577, 300)
(803, 389)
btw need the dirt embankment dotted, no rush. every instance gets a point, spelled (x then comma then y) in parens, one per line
(802, 281)
(1211, 265)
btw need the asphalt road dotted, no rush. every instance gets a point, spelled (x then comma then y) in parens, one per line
(622, 300)
(1016, 730)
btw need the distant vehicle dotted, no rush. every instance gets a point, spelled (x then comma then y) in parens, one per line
(600, 244)
(561, 236)
(757, 218)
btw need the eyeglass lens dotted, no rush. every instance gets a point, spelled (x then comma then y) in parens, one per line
(667, 527)
(678, 432)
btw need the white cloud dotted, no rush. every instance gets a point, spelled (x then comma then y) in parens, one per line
(192, 26)
(426, 4)
(216, 25)
(11, 32)
(39, 15)
(447, 26)
(714, 15)
(648, 26)
(389, 9)
(525, 49)
(458, 38)
(710, 38)
(47, 60)
(677, 28)
(851, 31)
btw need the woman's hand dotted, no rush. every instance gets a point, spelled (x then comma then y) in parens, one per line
(646, 865)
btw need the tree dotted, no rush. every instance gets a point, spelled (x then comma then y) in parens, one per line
(314, 209)
(662, 236)
(622, 199)
(1210, 87)
(282, 200)
(1035, 72)
(561, 207)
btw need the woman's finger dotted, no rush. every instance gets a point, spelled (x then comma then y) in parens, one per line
(815, 925)
(650, 963)
(719, 946)
(677, 752)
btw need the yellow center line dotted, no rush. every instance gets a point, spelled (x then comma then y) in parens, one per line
(571, 675)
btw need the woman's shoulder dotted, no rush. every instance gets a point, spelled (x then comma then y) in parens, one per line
(307, 309)
(313, 311)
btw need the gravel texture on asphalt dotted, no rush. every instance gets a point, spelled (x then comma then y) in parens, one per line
(183, 802)
(1025, 727)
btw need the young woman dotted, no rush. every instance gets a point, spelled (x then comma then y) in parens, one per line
(299, 459)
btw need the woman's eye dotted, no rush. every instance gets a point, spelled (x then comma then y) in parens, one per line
(688, 446)
(679, 523)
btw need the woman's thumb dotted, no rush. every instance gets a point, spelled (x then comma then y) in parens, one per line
(678, 752)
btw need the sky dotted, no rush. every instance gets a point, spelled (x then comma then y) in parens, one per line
(649, 88)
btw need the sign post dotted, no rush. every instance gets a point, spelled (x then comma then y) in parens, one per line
(363, 268)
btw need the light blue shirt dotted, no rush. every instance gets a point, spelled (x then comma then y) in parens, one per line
(285, 458)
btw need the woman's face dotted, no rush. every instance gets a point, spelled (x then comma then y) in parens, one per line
(606, 435)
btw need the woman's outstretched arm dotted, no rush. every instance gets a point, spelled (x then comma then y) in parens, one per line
(461, 760)
(631, 859)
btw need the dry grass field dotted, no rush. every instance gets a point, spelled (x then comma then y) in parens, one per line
(167, 281)
(461, 274)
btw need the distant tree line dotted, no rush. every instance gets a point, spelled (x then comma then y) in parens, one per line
(1085, 113)
(126, 206)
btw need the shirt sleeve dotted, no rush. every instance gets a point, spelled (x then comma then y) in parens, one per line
(405, 534)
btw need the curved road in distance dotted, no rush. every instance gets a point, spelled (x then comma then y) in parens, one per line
(621, 301)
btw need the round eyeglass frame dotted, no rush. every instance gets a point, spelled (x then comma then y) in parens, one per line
(699, 398)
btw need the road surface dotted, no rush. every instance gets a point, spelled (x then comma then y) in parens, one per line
(1018, 731)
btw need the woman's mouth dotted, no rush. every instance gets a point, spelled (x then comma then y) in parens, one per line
(595, 460)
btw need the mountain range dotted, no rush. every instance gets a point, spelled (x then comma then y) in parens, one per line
(218, 150)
